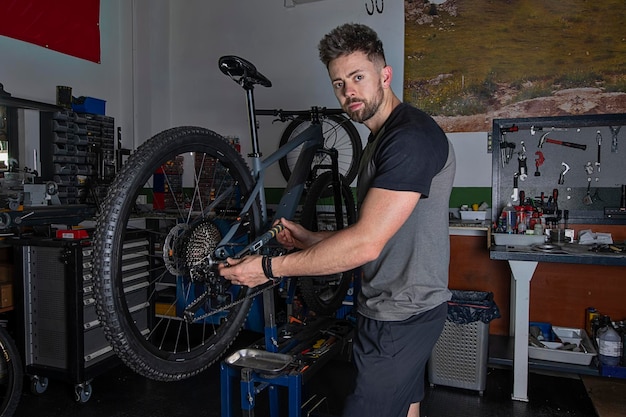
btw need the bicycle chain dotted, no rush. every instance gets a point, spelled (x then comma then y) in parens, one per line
(265, 287)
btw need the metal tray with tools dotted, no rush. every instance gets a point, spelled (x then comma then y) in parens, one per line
(259, 360)
(551, 352)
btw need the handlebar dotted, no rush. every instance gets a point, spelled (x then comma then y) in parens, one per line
(313, 113)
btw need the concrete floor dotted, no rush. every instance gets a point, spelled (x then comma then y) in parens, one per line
(122, 393)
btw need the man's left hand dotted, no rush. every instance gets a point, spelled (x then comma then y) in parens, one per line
(246, 271)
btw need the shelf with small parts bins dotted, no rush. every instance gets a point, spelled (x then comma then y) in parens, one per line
(77, 153)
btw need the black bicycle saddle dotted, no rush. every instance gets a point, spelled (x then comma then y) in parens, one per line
(243, 72)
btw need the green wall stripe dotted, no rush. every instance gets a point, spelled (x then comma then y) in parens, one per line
(459, 196)
(469, 196)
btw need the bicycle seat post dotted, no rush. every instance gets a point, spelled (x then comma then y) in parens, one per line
(246, 75)
(254, 135)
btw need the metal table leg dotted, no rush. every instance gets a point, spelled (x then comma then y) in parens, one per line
(522, 272)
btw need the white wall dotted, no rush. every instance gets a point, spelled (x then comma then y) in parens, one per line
(473, 162)
(281, 42)
(159, 66)
(33, 72)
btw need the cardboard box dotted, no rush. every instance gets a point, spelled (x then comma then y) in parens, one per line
(164, 309)
(6, 273)
(6, 295)
(6, 255)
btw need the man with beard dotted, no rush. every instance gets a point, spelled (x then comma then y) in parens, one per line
(400, 239)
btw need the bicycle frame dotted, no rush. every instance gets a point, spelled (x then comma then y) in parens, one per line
(312, 141)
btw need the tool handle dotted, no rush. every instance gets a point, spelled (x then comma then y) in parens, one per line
(261, 240)
(568, 144)
(575, 145)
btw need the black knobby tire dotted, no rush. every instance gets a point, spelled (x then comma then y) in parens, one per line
(11, 375)
(339, 133)
(324, 294)
(148, 333)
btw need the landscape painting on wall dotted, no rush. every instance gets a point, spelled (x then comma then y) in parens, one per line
(468, 62)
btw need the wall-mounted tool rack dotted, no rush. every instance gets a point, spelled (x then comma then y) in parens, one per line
(579, 161)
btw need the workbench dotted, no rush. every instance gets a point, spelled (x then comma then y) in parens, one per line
(523, 261)
(578, 180)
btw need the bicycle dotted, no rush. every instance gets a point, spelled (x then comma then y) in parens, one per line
(183, 319)
(11, 375)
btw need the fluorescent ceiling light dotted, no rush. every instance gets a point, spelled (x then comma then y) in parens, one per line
(292, 3)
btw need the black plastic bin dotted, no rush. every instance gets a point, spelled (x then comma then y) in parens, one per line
(470, 306)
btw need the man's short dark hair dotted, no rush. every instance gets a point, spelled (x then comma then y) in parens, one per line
(349, 38)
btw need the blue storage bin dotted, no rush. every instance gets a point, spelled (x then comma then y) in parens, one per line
(546, 330)
(88, 105)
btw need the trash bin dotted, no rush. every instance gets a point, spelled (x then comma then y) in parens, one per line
(459, 358)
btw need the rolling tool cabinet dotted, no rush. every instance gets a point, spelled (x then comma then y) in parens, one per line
(62, 337)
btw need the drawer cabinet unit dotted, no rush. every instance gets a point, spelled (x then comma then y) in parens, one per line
(62, 336)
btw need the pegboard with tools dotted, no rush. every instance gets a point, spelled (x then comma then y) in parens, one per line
(572, 165)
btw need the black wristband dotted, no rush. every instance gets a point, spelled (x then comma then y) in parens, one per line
(266, 263)
(269, 268)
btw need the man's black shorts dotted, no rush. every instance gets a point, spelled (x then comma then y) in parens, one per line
(391, 357)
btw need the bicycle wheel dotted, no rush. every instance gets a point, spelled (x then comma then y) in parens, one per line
(324, 294)
(339, 133)
(189, 185)
(11, 375)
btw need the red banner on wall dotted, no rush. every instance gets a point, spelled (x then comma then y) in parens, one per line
(68, 26)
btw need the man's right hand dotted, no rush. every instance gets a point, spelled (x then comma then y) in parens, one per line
(296, 236)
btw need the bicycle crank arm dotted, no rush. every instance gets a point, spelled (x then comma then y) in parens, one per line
(190, 311)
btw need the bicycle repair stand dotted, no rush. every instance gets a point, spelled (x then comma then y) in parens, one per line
(304, 349)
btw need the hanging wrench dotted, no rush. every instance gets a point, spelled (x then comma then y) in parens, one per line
(599, 141)
(521, 158)
(564, 170)
(614, 132)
